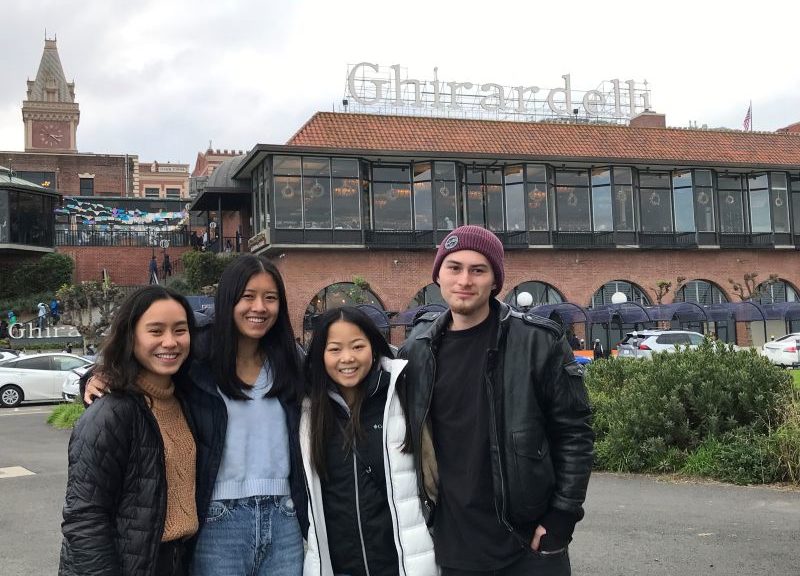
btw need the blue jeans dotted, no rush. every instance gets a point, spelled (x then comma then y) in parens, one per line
(256, 536)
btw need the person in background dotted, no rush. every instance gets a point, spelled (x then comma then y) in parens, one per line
(130, 501)
(153, 270)
(364, 517)
(574, 342)
(598, 350)
(502, 398)
(55, 310)
(167, 266)
(43, 311)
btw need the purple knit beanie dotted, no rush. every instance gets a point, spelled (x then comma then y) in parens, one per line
(477, 239)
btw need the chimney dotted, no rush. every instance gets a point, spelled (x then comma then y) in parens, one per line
(648, 119)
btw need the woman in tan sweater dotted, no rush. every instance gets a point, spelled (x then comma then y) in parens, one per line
(130, 503)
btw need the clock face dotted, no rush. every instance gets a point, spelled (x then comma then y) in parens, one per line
(52, 135)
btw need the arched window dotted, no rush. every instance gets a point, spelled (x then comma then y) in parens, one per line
(702, 292)
(776, 292)
(336, 295)
(541, 292)
(631, 291)
(430, 294)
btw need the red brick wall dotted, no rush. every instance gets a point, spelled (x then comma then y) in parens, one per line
(576, 274)
(126, 266)
(109, 171)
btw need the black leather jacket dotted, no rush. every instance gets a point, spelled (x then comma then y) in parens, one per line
(541, 440)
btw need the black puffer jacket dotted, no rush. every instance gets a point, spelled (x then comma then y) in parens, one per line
(116, 500)
(541, 440)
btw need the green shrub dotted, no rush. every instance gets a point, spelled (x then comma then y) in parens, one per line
(740, 457)
(179, 284)
(24, 305)
(65, 415)
(785, 444)
(41, 275)
(654, 415)
(204, 268)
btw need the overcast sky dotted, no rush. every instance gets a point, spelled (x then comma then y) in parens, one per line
(162, 78)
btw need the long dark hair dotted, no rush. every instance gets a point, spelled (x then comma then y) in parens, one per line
(278, 344)
(318, 382)
(117, 363)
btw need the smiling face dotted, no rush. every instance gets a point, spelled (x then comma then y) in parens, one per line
(466, 280)
(257, 309)
(348, 356)
(161, 341)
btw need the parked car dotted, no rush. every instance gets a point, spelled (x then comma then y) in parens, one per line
(35, 377)
(8, 354)
(643, 343)
(70, 389)
(785, 351)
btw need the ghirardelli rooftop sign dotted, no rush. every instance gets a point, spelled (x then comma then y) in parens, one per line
(389, 89)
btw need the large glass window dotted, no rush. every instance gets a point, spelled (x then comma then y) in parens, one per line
(30, 219)
(423, 201)
(758, 189)
(445, 186)
(655, 201)
(703, 201)
(779, 198)
(536, 187)
(485, 197)
(494, 199)
(344, 182)
(317, 192)
(634, 294)
(148, 193)
(777, 292)
(287, 192)
(391, 190)
(43, 179)
(683, 201)
(731, 215)
(515, 198)
(795, 181)
(700, 291)
(541, 292)
(173, 193)
(602, 210)
(572, 200)
(87, 186)
(623, 200)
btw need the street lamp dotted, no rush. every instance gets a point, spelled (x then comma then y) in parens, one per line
(524, 300)
(619, 298)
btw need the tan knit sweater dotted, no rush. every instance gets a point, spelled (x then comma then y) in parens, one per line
(180, 456)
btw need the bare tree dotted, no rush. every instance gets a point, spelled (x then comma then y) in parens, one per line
(749, 288)
(89, 307)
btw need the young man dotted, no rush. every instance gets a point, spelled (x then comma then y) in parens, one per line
(499, 421)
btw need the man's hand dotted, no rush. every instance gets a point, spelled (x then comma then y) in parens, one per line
(537, 535)
(95, 388)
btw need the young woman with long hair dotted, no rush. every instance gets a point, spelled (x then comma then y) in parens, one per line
(365, 517)
(247, 413)
(130, 502)
(247, 376)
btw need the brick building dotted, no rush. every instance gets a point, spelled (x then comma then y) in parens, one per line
(584, 210)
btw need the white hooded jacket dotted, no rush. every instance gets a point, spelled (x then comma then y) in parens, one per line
(412, 538)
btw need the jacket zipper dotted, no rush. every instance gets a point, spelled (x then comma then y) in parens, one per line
(420, 480)
(154, 422)
(493, 423)
(358, 511)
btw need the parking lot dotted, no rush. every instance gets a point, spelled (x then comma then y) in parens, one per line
(634, 524)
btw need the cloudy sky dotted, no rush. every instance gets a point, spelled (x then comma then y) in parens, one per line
(163, 78)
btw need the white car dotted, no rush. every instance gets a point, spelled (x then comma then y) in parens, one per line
(70, 389)
(35, 377)
(643, 343)
(785, 351)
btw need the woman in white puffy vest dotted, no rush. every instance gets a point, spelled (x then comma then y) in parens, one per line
(364, 513)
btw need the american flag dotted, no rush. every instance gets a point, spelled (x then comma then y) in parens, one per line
(748, 118)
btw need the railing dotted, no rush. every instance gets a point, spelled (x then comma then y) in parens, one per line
(129, 238)
(668, 239)
(403, 239)
(583, 239)
(745, 240)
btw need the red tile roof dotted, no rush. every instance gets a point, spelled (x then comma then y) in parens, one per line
(414, 134)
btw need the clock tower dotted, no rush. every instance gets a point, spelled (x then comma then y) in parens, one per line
(49, 111)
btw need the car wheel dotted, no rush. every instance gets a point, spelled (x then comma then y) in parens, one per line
(10, 395)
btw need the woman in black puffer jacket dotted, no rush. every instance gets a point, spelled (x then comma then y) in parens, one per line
(130, 502)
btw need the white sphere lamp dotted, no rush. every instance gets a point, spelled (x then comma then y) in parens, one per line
(524, 299)
(618, 298)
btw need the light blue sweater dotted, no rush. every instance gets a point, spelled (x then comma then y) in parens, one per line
(255, 459)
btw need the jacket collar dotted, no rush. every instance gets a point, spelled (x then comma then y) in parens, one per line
(439, 326)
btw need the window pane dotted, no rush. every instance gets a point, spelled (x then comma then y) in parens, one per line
(494, 207)
(317, 200)
(514, 175)
(392, 205)
(422, 172)
(684, 210)
(572, 178)
(731, 216)
(475, 204)
(345, 202)
(601, 176)
(344, 168)
(537, 207)
(622, 176)
(423, 205)
(779, 199)
(390, 174)
(445, 186)
(623, 207)
(286, 165)
(704, 209)
(601, 208)
(316, 167)
(702, 177)
(288, 204)
(536, 173)
(655, 209)
(573, 209)
(759, 211)
(515, 206)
